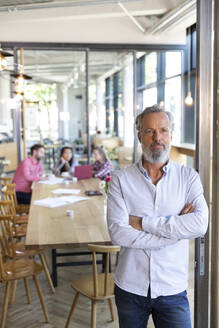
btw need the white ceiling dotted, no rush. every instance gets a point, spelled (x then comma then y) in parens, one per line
(90, 21)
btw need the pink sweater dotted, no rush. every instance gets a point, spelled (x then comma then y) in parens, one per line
(27, 172)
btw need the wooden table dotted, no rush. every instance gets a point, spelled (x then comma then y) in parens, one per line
(52, 228)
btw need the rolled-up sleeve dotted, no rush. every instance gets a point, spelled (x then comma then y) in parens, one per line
(187, 226)
(120, 231)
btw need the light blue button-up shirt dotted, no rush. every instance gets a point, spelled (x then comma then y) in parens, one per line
(157, 256)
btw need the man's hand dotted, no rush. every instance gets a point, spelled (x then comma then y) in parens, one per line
(135, 222)
(188, 208)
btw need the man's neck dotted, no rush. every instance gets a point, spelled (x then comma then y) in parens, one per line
(154, 170)
(34, 159)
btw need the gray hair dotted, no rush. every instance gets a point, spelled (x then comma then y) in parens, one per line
(149, 110)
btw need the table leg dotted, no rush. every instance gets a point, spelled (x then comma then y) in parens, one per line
(54, 268)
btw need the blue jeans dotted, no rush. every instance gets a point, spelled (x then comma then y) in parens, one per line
(167, 311)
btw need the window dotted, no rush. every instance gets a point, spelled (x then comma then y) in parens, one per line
(173, 104)
(173, 63)
(151, 68)
(149, 97)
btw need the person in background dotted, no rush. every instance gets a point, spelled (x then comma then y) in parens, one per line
(66, 162)
(102, 168)
(29, 170)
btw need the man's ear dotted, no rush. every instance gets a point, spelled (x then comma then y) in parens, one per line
(139, 136)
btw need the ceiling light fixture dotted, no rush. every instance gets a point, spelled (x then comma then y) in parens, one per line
(189, 99)
(3, 60)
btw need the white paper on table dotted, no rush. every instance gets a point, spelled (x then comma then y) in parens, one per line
(66, 191)
(52, 181)
(59, 201)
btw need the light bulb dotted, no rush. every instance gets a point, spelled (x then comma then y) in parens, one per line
(20, 84)
(3, 62)
(18, 97)
(189, 99)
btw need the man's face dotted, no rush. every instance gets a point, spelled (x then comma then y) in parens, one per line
(38, 154)
(155, 137)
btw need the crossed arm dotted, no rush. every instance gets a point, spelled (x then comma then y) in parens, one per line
(136, 221)
(155, 232)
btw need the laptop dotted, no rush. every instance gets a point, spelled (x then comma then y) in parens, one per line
(83, 172)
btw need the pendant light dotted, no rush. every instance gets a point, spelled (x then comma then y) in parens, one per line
(3, 60)
(189, 99)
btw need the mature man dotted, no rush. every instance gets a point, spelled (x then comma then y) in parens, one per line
(29, 170)
(154, 208)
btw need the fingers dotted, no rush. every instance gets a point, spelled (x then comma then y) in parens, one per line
(188, 208)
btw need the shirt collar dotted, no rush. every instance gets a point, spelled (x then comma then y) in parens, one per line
(143, 171)
(33, 162)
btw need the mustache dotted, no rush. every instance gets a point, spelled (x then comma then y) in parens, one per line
(157, 144)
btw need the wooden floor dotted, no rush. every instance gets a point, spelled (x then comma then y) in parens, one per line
(23, 315)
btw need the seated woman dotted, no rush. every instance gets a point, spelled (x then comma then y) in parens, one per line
(66, 162)
(102, 168)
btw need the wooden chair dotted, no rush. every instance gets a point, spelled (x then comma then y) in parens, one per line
(9, 193)
(98, 287)
(5, 180)
(14, 249)
(11, 272)
(7, 208)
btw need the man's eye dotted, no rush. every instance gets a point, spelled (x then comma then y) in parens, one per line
(149, 131)
(164, 130)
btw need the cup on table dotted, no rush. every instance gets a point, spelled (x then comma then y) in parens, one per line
(70, 213)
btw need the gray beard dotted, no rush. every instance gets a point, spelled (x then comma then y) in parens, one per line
(156, 156)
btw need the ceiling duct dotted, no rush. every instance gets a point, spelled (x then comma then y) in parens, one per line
(174, 17)
(11, 5)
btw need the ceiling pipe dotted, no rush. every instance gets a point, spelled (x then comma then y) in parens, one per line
(60, 4)
(133, 19)
(165, 23)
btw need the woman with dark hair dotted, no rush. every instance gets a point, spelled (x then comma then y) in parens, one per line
(66, 162)
(102, 168)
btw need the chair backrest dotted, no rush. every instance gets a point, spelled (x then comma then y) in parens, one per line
(3, 275)
(7, 228)
(9, 193)
(5, 180)
(101, 249)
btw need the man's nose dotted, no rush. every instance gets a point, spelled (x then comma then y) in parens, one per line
(156, 136)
